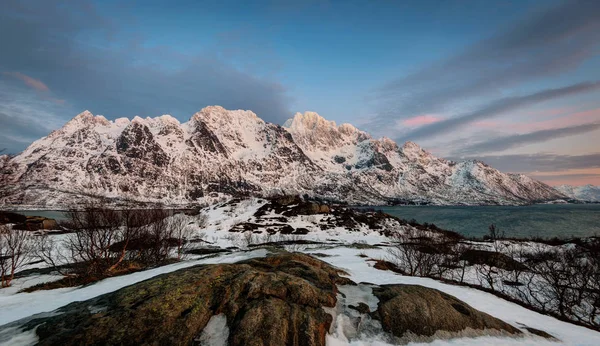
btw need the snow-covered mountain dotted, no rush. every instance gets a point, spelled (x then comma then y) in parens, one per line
(587, 193)
(237, 153)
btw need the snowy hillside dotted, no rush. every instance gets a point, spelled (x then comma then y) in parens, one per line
(587, 193)
(221, 152)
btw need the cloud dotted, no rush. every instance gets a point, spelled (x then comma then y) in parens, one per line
(25, 117)
(421, 120)
(576, 179)
(562, 177)
(29, 81)
(94, 63)
(544, 43)
(540, 162)
(496, 108)
(513, 141)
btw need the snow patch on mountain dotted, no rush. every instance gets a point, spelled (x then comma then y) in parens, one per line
(586, 193)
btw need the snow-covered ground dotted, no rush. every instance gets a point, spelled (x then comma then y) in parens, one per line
(361, 270)
(337, 246)
(15, 306)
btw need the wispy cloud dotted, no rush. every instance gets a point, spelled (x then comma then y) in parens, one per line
(545, 43)
(569, 177)
(25, 117)
(496, 108)
(517, 140)
(572, 119)
(94, 64)
(29, 81)
(540, 162)
(421, 120)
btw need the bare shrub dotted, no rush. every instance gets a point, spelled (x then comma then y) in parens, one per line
(455, 262)
(419, 255)
(105, 240)
(96, 229)
(48, 250)
(15, 247)
(181, 230)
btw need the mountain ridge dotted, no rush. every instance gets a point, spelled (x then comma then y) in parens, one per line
(586, 193)
(235, 152)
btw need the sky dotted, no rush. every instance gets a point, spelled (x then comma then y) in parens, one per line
(515, 84)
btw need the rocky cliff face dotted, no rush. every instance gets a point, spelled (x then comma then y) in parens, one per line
(237, 153)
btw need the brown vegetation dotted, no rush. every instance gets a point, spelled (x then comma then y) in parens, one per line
(107, 242)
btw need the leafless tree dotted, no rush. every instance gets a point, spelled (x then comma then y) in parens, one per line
(181, 228)
(15, 248)
(48, 250)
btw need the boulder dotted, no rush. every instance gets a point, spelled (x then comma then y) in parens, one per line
(49, 224)
(413, 310)
(491, 258)
(277, 300)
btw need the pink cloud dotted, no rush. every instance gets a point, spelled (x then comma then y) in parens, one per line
(488, 123)
(29, 81)
(573, 119)
(421, 120)
(544, 113)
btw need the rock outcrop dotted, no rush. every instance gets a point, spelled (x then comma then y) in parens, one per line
(277, 300)
(282, 299)
(412, 311)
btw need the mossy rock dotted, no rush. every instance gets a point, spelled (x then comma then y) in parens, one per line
(417, 310)
(275, 300)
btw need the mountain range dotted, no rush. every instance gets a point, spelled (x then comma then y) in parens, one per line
(234, 152)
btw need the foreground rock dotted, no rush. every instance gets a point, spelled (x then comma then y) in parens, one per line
(412, 311)
(275, 300)
(283, 299)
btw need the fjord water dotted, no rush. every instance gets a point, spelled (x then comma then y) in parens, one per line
(540, 220)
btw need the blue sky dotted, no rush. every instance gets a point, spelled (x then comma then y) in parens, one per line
(458, 77)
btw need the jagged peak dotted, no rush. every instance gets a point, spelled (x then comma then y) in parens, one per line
(167, 118)
(411, 146)
(220, 115)
(139, 120)
(84, 115)
(122, 121)
(348, 129)
(86, 118)
(308, 121)
(387, 140)
(313, 122)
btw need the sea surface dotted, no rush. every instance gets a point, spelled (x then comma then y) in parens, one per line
(540, 220)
